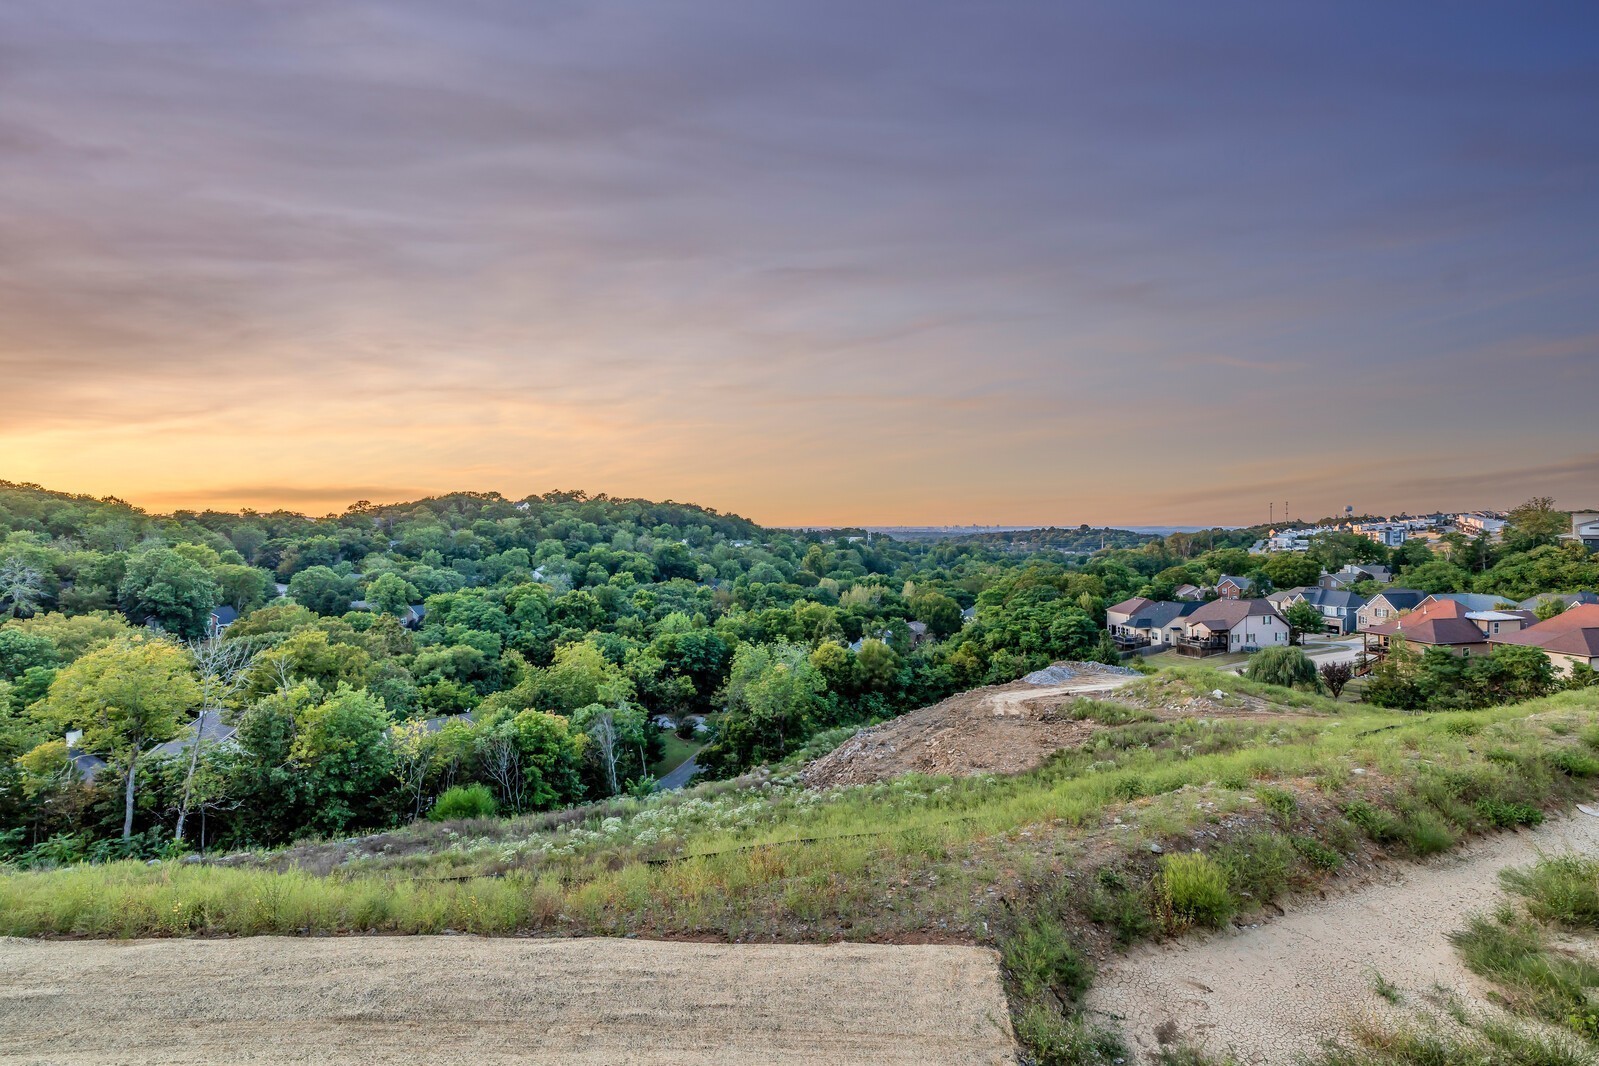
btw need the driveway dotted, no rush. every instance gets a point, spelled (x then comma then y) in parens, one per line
(679, 777)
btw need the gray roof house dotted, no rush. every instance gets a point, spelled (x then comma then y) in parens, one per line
(1475, 601)
(211, 730)
(1340, 608)
(1567, 600)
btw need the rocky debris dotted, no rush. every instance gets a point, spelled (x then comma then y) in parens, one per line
(1062, 672)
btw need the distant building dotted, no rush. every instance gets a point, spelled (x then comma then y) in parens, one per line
(1386, 605)
(1480, 523)
(1585, 529)
(1229, 587)
(220, 619)
(1388, 534)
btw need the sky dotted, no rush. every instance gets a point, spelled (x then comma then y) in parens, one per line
(841, 261)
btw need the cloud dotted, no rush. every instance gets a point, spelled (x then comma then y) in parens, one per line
(1131, 265)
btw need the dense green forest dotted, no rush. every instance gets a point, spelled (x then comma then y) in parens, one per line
(518, 654)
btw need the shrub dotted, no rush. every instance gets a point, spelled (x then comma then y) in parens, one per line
(1192, 891)
(464, 801)
(1424, 834)
(1288, 667)
(1378, 824)
(1575, 763)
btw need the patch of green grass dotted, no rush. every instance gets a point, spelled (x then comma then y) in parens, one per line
(1126, 908)
(1258, 867)
(1055, 1040)
(1534, 977)
(1318, 854)
(1386, 989)
(675, 751)
(1423, 1043)
(1191, 892)
(1039, 956)
(1563, 889)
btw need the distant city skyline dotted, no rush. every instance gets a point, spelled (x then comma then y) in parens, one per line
(867, 263)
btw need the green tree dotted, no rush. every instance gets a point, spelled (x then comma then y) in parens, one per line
(322, 589)
(1536, 522)
(176, 591)
(391, 594)
(1288, 667)
(1436, 575)
(341, 748)
(243, 588)
(123, 697)
(580, 675)
(942, 614)
(1290, 570)
(876, 664)
(1302, 618)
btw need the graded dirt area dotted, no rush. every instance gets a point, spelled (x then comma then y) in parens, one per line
(1002, 729)
(1009, 729)
(487, 1001)
(1271, 992)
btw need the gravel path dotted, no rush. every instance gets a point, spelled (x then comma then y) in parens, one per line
(486, 1001)
(1273, 991)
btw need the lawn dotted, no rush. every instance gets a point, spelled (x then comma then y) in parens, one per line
(675, 752)
(1169, 658)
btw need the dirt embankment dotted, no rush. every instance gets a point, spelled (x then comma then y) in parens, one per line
(1271, 992)
(1009, 729)
(1003, 729)
(484, 1002)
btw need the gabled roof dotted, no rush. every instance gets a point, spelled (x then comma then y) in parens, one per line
(1438, 622)
(1570, 599)
(1132, 606)
(1400, 599)
(1241, 582)
(224, 615)
(1225, 614)
(1473, 601)
(212, 730)
(1575, 631)
(1162, 613)
(1334, 598)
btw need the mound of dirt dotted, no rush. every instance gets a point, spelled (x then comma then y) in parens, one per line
(1059, 673)
(1002, 729)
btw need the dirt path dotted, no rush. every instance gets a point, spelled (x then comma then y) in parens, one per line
(1270, 992)
(481, 1001)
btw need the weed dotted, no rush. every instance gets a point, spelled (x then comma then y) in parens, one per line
(1192, 891)
(1258, 866)
(1386, 989)
(1317, 854)
(1125, 908)
(1563, 889)
(1058, 1041)
(1503, 815)
(1281, 803)
(1040, 957)
(1516, 954)
(1380, 825)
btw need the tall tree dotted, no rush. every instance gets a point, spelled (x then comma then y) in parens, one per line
(124, 696)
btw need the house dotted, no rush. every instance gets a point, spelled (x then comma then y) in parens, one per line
(1158, 624)
(1481, 524)
(1569, 638)
(1447, 624)
(1387, 604)
(1584, 529)
(83, 765)
(919, 633)
(1353, 572)
(1339, 607)
(1189, 592)
(414, 616)
(1388, 534)
(1121, 613)
(220, 618)
(1232, 626)
(208, 726)
(1567, 600)
(1229, 587)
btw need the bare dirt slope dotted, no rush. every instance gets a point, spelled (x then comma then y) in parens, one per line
(1002, 729)
(482, 1001)
(1008, 729)
(1270, 992)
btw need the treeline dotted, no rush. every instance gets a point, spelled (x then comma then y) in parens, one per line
(522, 645)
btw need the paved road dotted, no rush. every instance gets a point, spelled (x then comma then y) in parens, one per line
(678, 777)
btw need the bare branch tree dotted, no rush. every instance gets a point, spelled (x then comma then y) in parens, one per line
(222, 666)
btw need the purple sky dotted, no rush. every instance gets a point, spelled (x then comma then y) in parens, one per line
(821, 262)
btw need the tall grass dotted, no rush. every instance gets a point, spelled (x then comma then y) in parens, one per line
(778, 861)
